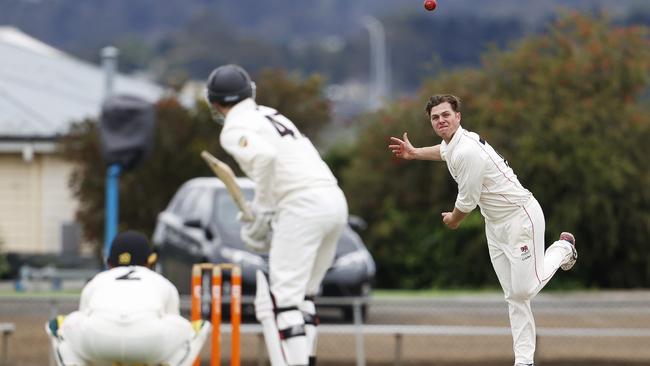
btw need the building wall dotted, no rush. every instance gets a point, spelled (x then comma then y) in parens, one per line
(58, 204)
(34, 202)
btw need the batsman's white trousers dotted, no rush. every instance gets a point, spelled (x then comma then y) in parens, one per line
(139, 338)
(516, 247)
(305, 233)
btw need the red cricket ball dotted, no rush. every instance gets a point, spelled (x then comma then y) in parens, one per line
(430, 4)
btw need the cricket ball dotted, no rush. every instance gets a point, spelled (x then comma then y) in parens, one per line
(430, 4)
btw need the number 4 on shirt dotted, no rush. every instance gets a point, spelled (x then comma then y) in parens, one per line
(281, 128)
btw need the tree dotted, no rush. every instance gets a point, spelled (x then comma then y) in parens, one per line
(301, 100)
(569, 110)
(181, 135)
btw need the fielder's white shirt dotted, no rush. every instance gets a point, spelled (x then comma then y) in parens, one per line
(127, 292)
(272, 152)
(483, 176)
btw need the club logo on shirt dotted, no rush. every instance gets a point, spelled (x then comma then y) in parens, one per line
(525, 253)
(124, 258)
(243, 141)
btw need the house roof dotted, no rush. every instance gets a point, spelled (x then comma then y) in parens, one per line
(44, 90)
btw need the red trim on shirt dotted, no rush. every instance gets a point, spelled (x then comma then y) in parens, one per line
(532, 225)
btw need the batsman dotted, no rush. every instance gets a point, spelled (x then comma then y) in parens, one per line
(298, 212)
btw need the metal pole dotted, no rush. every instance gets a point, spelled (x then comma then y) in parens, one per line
(398, 349)
(54, 310)
(358, 326)
(6, 333)
(379, 69)
(538, 362)
(261, 347)
(109, 63)
(112, 205)
(5, 349)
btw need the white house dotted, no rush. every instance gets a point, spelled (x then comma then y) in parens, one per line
(42, 92)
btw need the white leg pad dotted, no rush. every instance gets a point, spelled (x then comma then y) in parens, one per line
(308, 307)
(61, 351)
(266, 316)
(296, 350)
(186, 355)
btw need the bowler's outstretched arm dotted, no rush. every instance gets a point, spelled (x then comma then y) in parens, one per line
(402, 148)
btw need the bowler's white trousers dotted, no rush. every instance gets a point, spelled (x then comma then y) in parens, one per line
(516, 247)
(305, 233)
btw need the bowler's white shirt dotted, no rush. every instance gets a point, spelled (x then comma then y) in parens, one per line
(483, 176)
(272, 152)
(126, 292)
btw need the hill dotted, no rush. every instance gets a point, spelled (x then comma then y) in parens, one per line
(179, 39)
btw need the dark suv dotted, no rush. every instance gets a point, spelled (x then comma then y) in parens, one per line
(200, 225)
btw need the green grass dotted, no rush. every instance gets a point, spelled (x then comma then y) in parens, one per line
(384, 293)
(44, 294)
(388, 293)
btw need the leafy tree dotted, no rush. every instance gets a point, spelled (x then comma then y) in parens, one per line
(180, 136)
(300, 100)
(569, 110)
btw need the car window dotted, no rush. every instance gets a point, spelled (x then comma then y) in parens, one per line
(225, 212)
(203, 205)
(192, 204)
(174, 206)
(348, 243)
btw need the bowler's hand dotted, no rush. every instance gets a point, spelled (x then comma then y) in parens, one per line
(449, 220)
(402, 148)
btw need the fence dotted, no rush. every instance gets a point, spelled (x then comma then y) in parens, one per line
(34, 278)
(604, 328)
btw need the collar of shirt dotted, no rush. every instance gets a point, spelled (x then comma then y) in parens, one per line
(245, 105)
(445, 148)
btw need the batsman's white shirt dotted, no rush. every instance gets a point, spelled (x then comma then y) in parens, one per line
(483, 176)
(292, 179)
(127, 314)
(273, 153)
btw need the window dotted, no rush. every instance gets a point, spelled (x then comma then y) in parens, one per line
(225, 214)
(188, 208)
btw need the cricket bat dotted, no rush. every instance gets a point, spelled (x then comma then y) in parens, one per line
(223, 171)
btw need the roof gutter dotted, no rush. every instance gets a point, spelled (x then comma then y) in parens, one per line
(28, 146)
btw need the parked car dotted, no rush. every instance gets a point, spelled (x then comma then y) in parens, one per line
(200, 225)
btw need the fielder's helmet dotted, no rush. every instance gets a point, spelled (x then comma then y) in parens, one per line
(229, 84)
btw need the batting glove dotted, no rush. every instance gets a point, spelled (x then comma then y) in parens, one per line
(257, 233)
(258, 246)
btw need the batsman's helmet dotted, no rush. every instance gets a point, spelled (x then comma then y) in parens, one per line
(229, 85)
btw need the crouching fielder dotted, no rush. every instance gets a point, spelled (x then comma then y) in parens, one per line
(299, 209)
(127, 315)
